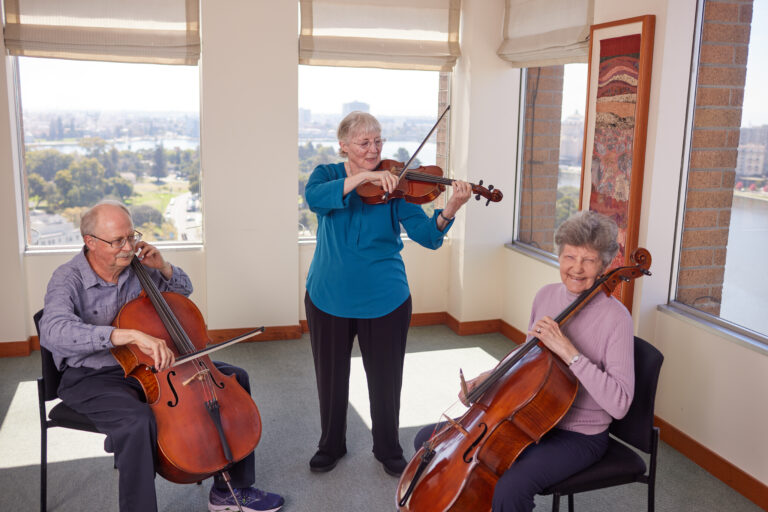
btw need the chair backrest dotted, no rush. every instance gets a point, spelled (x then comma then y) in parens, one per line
(636, 428)
(51, 374)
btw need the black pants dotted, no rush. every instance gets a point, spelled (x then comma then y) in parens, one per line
(117, 407)
(382, 345)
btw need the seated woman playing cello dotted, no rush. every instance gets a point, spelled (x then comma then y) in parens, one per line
(597, 346)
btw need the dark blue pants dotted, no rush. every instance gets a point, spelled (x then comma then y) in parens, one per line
(382, 346)
(117, 407)
(558, 455)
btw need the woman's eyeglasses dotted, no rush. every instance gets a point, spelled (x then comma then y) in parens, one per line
(367, 143)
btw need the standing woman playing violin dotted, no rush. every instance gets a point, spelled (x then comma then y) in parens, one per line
(357, 286)
(597, 344)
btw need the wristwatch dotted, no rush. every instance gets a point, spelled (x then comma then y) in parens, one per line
(574, 359)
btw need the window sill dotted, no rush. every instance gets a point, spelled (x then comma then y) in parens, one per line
(73, 249)
(735, 334)
(537, 254)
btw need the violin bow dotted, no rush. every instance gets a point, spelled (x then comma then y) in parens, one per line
(413, 157)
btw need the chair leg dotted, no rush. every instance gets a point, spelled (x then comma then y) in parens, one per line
(556, 502)
(43, 468)
(570, 503)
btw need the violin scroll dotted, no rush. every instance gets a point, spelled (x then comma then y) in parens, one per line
(490, 193)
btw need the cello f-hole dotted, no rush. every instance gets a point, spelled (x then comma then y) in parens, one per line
(467, 457)
(175, 401)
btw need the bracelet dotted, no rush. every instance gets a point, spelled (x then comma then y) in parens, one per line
(444, 217)
(574, 359)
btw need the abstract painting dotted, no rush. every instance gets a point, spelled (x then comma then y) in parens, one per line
(615, 126)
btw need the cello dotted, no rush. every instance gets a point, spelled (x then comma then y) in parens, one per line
(205, 420)
(523, 398)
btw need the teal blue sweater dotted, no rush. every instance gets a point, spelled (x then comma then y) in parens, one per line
(357, 270)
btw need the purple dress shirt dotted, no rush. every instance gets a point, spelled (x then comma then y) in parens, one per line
(80, 307)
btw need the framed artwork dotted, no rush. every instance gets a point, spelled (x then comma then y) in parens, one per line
(620, 57)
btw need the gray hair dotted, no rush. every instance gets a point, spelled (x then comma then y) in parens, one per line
(90, 218)
(356, 122)
(590, 229)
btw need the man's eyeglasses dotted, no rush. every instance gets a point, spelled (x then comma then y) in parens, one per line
(120, 242)
(367, 143)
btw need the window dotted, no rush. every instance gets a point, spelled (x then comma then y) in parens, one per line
(724, 231)
(95, 130)
(551, 149)
(406, 103)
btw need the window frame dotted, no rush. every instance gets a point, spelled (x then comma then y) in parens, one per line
(23, 185)
(709, 321)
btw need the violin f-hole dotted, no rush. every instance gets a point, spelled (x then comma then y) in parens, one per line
(467, 457)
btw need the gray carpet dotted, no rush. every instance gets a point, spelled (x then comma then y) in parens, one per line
(81, 476)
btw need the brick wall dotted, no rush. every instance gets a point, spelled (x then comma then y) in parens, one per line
(541, 156)
(714, 151)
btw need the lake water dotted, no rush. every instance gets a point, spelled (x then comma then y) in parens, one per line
(745, 286)
(122, 145)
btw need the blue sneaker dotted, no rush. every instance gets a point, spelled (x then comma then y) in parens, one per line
(250, 498)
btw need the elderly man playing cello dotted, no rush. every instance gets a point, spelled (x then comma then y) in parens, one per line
(83, 297)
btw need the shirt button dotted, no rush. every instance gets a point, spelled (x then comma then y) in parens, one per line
(101, 338)
(95, 312)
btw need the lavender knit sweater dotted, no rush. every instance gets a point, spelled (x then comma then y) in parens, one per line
(603, 333)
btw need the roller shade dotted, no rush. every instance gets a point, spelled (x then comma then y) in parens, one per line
(148, 31)
(544, 33)
(395, 34)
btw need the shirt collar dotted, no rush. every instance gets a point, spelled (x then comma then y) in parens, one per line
(90, 278)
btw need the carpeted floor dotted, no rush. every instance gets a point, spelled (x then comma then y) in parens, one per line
(81, 475)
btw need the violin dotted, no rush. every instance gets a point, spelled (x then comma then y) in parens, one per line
(524, 397)
(205, 420)
(420, 185)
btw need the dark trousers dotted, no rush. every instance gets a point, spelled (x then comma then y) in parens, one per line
(382, 345)
(558, 455)
(117, 407)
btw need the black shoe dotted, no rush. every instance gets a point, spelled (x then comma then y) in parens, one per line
(322, 462)
(394, 467)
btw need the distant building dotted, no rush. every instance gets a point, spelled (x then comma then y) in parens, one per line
(346, 108)
(52, 229)
(305, 116)
(751, 161)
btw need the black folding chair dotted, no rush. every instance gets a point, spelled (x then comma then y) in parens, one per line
(59, 416)
(621, 464)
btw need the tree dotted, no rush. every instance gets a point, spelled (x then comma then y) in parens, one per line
(36, 186)
(46, 162)
(145, 214)
(94, 146)
(120, 187)
(160, 164)
(402, 155)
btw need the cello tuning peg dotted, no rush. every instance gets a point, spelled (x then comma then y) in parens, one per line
(477, 197)
(490, 187)
(487, 202)
(480, 183)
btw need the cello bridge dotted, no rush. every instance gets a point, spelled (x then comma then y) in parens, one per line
(455, 424)
(198, 376)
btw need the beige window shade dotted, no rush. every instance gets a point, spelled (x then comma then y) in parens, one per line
(395, 34)
(149, 31)
(545, 33)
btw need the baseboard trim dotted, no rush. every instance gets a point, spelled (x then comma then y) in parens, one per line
(740, 481)
(275, 332)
